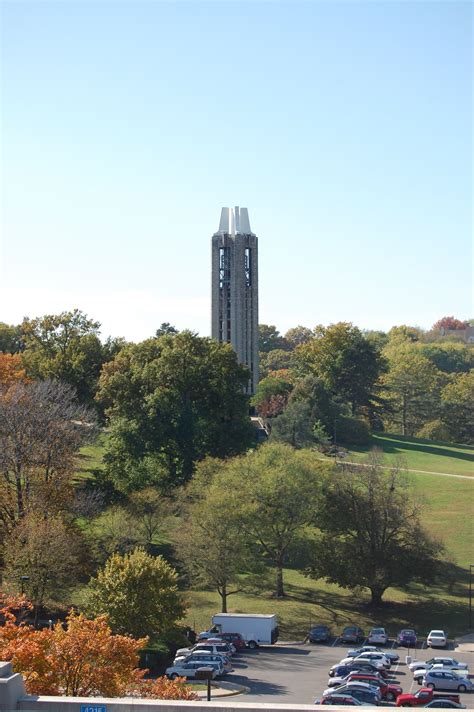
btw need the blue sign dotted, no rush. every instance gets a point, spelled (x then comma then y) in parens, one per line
(93, 708)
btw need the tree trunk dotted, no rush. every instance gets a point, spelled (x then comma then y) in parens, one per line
(279, 592)
(376, 596)
(223, 595)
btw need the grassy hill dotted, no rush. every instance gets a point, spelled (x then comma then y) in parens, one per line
(417, 454)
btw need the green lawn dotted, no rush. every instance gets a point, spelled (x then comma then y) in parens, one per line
(418, 454)
(90, 458)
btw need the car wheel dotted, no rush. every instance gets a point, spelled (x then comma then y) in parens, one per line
(431, 686)
(390, 696)
(462, 688)
(174, 676)
(252, 644)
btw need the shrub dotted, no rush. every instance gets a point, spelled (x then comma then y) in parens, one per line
(434, 430)
(352, 431)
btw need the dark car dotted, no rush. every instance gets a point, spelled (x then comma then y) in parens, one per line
(343, 670)
(319, 634)
(407, 637)
(352, 634)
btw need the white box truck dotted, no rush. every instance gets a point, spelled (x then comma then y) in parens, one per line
(255, 628)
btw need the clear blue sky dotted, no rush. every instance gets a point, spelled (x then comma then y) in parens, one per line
(344, 127)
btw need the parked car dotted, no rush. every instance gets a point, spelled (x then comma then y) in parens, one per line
(234, 639)
(352, 634)
(361, 691)
(450, 663)
(222, 648)
(378, 636)
(445, 704)
(356, 665)
(446, 680)
(393, 657)
(407, 637)
(217, 639)
(422, 698)
(437, 639)
(377, 659)
(206, 659)
(418, 675)
(188, 670)
(388, 690)
(319, 634)
(337, 698)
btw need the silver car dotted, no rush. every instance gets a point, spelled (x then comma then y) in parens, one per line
(446, 680)
(188, 670)
(206, 658)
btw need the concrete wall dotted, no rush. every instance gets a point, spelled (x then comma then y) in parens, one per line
(13, 698)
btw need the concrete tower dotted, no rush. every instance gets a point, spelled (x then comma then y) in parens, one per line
(235, 288)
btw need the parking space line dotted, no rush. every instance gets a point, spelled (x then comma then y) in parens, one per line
(335, 641)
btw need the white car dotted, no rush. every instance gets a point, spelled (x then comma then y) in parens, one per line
(377, 636)
(448, 663)
(206, 658)
(188, 670)
(437, 639)
(377, 659)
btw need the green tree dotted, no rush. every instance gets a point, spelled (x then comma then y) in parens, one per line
(449, 357)
(270, 339)
(66, 347)
(294, 426)
(405, 333)
(10, 339)
(171, 401)
(275, 360)
(457, 407)
(371, 536)
(166, 329)
(275, 491)
(411, 389)
(271, 396)
(139, 593)
(324, 407)
(209, 539)
(349, 364)
(298, 335)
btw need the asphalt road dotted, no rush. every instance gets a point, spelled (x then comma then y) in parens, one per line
(299, 673)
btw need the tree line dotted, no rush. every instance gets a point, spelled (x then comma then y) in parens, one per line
(339, 383)
(181, 459)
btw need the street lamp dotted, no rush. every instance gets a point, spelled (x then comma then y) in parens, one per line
(471, 566)
(23, 580)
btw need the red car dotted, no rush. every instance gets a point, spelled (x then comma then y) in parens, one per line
(388, 690)
(235, 638)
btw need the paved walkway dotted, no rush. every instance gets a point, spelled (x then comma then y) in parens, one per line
(404, 469)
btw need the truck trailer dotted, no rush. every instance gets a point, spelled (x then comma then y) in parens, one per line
(255, 628)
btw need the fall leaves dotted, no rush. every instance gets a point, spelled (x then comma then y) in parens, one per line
(84, 658)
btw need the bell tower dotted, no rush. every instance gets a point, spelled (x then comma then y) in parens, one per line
(235, 288)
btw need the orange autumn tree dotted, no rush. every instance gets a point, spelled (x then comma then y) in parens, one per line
(85, 659)
(11, 369)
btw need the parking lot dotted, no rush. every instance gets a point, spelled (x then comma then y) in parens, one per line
(299, 673)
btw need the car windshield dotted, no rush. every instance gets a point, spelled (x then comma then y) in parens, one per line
(319, 629)
(438, 633)
(378, 630)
